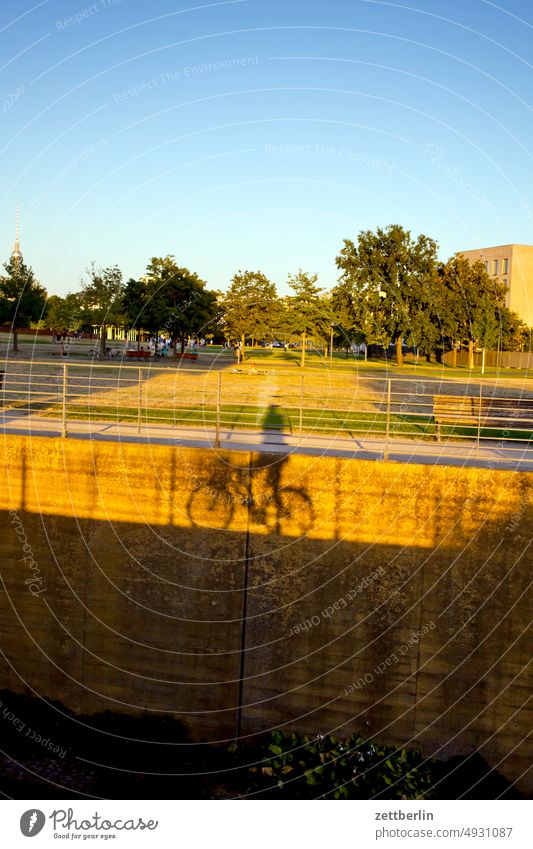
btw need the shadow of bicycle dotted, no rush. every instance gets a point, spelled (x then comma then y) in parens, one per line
(256, 498)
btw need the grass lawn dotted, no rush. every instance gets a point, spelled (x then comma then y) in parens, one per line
(287, 421)
(232, 416)
(216, 357)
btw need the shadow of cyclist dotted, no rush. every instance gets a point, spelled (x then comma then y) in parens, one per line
(274, 424)
(280, 507)
(272, 503)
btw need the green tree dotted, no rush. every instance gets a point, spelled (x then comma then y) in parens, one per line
(177, 301)
(470, 305)
(514, 335)
(101, 299)
(347, 327)
(309, 312)
(250, 307)
(22, 298)
(137, 308)
(63, 312)
(392, 279)
(424, 332)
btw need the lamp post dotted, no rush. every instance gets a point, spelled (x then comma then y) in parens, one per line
(331, 345)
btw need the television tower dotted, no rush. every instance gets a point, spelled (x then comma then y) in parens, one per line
(16, 254)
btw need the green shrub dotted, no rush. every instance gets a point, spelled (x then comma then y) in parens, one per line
(352, 768)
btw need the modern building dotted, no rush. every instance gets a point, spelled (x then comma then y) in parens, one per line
(513, 266)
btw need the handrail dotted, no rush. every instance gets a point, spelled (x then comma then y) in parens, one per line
(399, 409)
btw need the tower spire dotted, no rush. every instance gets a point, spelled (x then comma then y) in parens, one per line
(16, 254)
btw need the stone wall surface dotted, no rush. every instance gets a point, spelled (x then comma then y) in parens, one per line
(243, 591)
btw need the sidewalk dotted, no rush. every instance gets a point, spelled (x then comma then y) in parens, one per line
(461, 453)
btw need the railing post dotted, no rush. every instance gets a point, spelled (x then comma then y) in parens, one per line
(387, 425)
(479, 419)
(139, 400)
(64, 397)
(301, 410)
(217, 422)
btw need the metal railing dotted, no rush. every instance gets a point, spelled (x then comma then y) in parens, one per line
(397, 412)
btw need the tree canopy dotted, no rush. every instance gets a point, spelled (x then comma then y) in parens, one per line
(250, 307)
(63, 312)
(391, 290)
(308, 312)
(169, 298)
(471, 304)
(22, 298)
(392, 278)
(101, 298)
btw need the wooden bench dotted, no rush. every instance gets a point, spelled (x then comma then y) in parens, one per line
(471, 412)
(187, 355)
(138, 355)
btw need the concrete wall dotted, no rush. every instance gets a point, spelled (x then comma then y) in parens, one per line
(346, 595)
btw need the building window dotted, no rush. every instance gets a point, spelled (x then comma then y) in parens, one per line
(494, 266)
(505, 282)
(487, 267)
(505, 266)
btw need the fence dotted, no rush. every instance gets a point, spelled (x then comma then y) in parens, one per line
(290, 403)
(493, 359)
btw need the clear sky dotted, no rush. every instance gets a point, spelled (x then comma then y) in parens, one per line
(259, 133)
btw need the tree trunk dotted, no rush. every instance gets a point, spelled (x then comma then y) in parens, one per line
(15, 340)
(454, 355)
(243, 343)
(399, 354)
(182, 343)
(470, 354)
(303, 349)
(102, 341)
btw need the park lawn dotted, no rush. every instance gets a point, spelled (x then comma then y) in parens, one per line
(290, 360)
(249, 417)
(287, 421)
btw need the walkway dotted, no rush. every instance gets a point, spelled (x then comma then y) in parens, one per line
(489, 455)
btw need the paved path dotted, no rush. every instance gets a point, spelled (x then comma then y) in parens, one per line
(489, 455)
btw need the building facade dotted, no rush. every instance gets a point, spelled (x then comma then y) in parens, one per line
(513, 266)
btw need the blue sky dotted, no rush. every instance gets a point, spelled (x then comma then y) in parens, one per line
(259, 134)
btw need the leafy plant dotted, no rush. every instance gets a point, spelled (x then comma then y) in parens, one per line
(343, 768)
